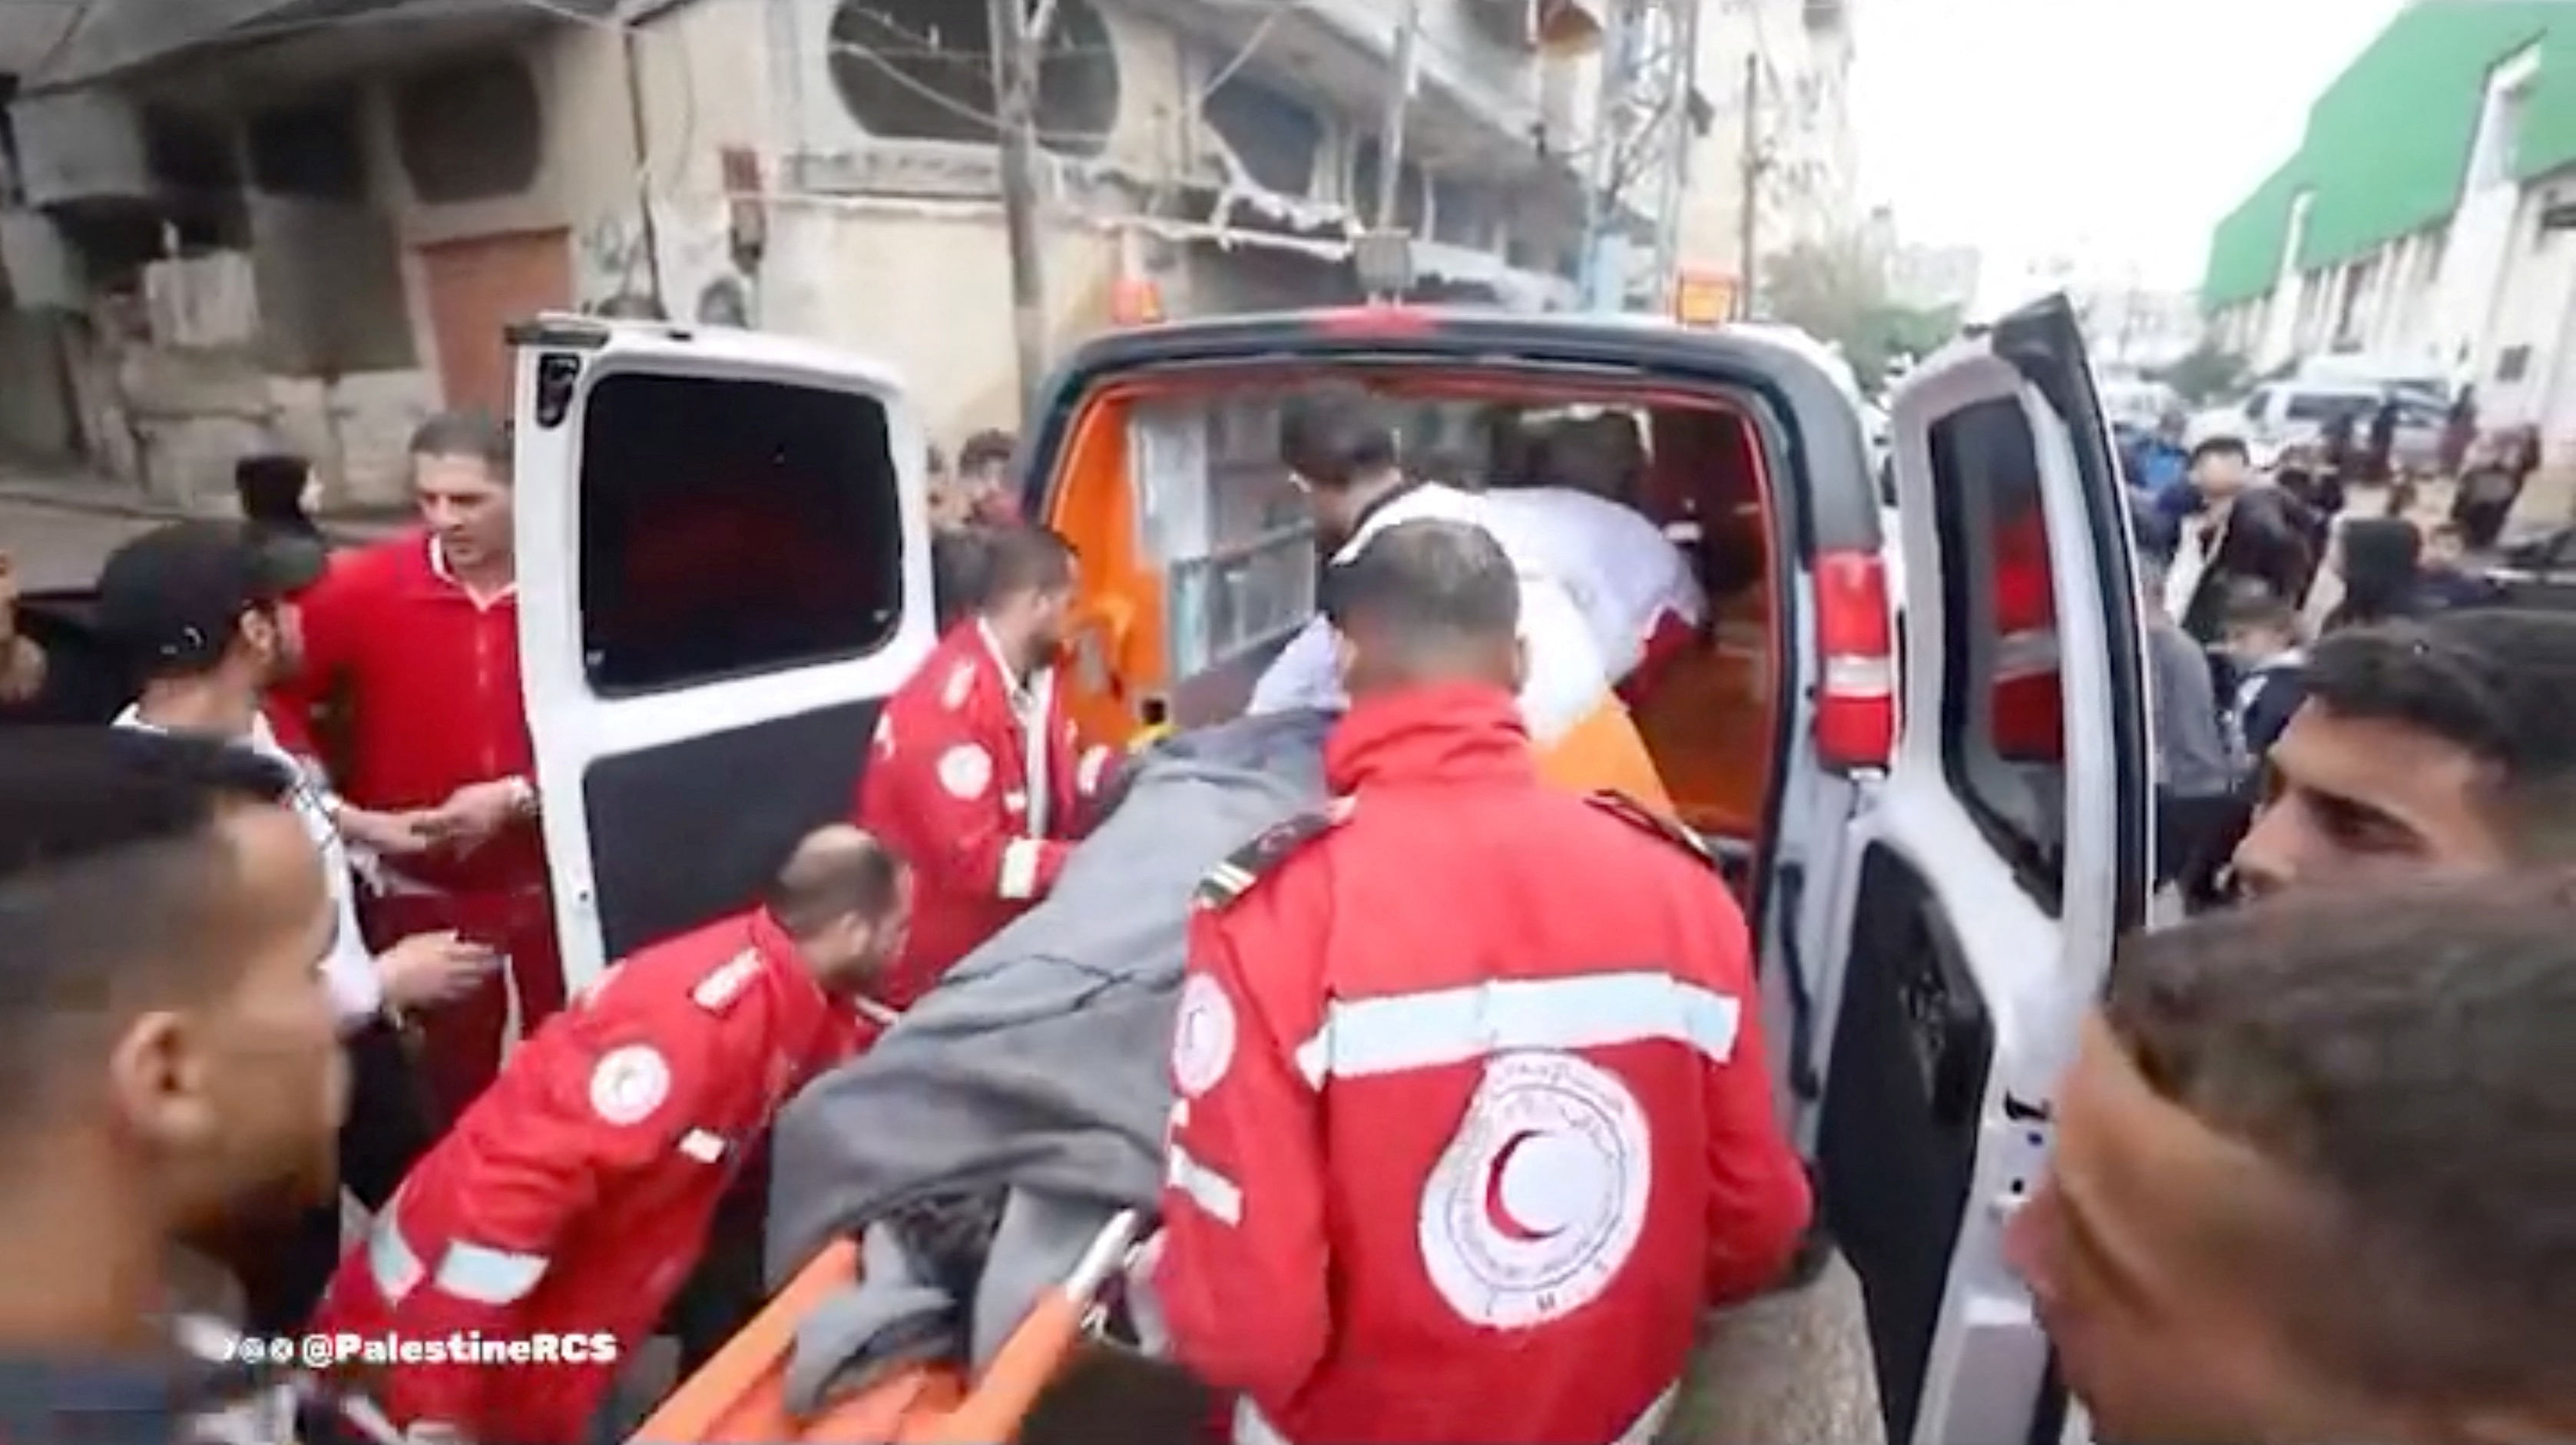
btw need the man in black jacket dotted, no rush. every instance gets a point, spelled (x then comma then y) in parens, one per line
(2246, 530)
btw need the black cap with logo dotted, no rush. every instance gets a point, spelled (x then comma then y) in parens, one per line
(175, 595)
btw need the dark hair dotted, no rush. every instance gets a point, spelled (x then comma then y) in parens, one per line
(2498, 683)
(110, 871)
(2219, 447)
(1429, 586)
(988, 448)
(1336, 434)
(2382, 569)
(2404, 1052)
(831, 873)
(270, 488)
(1018, 559)
(474, 434)
(960, 568)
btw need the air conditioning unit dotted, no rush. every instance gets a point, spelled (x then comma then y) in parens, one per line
(80, 145)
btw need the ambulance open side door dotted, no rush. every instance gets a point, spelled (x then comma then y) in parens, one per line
(2006, 852)
(724, 571)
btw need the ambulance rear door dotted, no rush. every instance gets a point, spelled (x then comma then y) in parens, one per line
(725, 571)
(1987, 881)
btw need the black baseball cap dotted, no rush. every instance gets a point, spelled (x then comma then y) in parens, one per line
(176, 594)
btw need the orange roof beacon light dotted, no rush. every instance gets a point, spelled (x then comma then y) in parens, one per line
(1135, 301)
(1703, 298)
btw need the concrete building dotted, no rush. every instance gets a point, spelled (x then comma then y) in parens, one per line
(1778, 72)
(306, 223)
(2436, 248)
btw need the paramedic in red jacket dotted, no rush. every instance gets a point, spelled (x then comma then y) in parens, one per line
(413, 645)
(975, 775)
(574, 1197)
(1473, 1121)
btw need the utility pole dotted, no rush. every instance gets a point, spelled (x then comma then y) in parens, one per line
(1604, 185)
(1684, 72)
(1015, 40)
(1399, 99)
(1749, 233)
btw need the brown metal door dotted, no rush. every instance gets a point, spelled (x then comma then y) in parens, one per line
(476, 288)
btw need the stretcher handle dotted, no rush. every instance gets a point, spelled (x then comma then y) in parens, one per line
(999, 1405)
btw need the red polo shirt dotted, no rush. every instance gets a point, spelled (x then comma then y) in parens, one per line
(428, 675)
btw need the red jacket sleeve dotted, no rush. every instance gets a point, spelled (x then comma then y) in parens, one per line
(1242, 1273)
(948, 778)
(1758, 1200)
(607, 1112)
(1083, 783)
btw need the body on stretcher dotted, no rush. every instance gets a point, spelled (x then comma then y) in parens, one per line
(1057, 1376)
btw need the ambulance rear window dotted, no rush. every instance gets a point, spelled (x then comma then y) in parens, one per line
(730, 528)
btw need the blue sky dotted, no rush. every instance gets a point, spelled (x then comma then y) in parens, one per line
(2117, 131)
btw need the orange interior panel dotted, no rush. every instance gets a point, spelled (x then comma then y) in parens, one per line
(1709, 724)
(1122, 616)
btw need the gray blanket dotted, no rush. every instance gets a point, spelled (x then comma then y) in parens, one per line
(1037, 1067)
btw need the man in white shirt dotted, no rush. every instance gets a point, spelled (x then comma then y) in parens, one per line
(1340, 448)
(1636, 589)
(207, 611)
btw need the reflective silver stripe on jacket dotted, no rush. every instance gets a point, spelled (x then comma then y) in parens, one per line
(1020, 859)
(478, 1273)
(1400, 1033)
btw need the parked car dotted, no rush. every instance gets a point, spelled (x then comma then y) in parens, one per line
(2538, 573)
(2278, 416)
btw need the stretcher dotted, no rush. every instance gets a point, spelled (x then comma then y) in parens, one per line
(1056, 1378)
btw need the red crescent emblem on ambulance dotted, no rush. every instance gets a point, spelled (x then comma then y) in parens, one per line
(1498, 1212)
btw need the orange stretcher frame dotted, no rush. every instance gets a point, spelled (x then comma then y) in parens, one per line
(737, 1398)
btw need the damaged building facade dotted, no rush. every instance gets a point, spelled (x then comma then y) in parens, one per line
(305, 224)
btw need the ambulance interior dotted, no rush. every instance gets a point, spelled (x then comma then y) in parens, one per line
(1199, 559)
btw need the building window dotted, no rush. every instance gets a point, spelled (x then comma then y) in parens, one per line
(2008, 761)
(1366, 157)
(923, 70)
(312, 150)
(732, 528)
(470, 130)
(1462, 214)
(1275, 138)
(2513, 363)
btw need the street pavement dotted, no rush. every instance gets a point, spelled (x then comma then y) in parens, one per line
(57, 546)
(1789, 1369)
